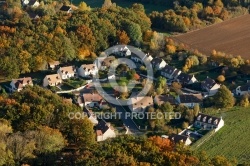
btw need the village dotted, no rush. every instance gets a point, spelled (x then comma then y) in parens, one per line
(79, 83)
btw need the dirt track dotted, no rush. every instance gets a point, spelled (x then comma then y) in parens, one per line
(231, 37)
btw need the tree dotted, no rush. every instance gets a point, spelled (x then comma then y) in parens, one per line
(161, 82)
(134, 32)
(123, 37)
(48, 140)
(83, 6)
(6, 157)
(224, 98)
(21, 147)
(170, 49)
(82, 132)
(221, 78)
(244, 102)
(185, 125)
(196, 109)
(107, 4)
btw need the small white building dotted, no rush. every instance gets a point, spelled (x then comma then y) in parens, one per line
(52, 80)
(185, 79)
(31, 3)
(208, 122)
(66, 72)
(148, 57)
(158, 63)
(20, 83)
(87, 70)
(180, 139)
(139, 104)
(210, 86)
(104, 131)
(123, 52)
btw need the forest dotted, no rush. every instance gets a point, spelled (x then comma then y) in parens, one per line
(27, 44)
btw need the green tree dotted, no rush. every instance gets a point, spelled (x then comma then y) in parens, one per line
(224, 98)
(82, 132)
(48, 140)
(134, 32)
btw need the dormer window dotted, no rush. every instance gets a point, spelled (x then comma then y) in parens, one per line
(199, 117)
(210, 120)
(204, 119)
(216, 122)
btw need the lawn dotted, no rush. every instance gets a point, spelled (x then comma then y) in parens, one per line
(232, 140)
(98, 3)
(75, 82)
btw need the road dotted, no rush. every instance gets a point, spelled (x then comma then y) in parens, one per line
(127, 121)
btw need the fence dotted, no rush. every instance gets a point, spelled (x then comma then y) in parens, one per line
(202, 140)
(72, 90)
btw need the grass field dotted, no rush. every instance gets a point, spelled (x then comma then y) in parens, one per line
(231, 37)
(98, 3)
(232, 140)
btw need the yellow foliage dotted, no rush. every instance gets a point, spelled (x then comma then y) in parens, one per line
(83, 53)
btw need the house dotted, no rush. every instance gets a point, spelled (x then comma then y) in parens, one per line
(53, 64)
(31, 3)
(66, 72)
(175, 74)
(19, 84)
(167, 71)
(139, 104)
(124, 52)
(91, 116)
(190, 100)
(104, 131)
(160, 99)
(79, 101)
(180, 139)
(52, 80)
(208, 122)
(244, 89)
(94, 100)
(158, 63)
(185, 79)
(103, 63)
(87, 70)
(148, 57)
(136, 58)
(210, 86)
(33, 16)
(66, 9)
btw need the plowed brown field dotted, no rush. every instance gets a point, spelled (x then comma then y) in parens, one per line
(231, 37)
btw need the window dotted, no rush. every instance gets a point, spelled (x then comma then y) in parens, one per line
(210, 120)
(199, 117)
(204, 119)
